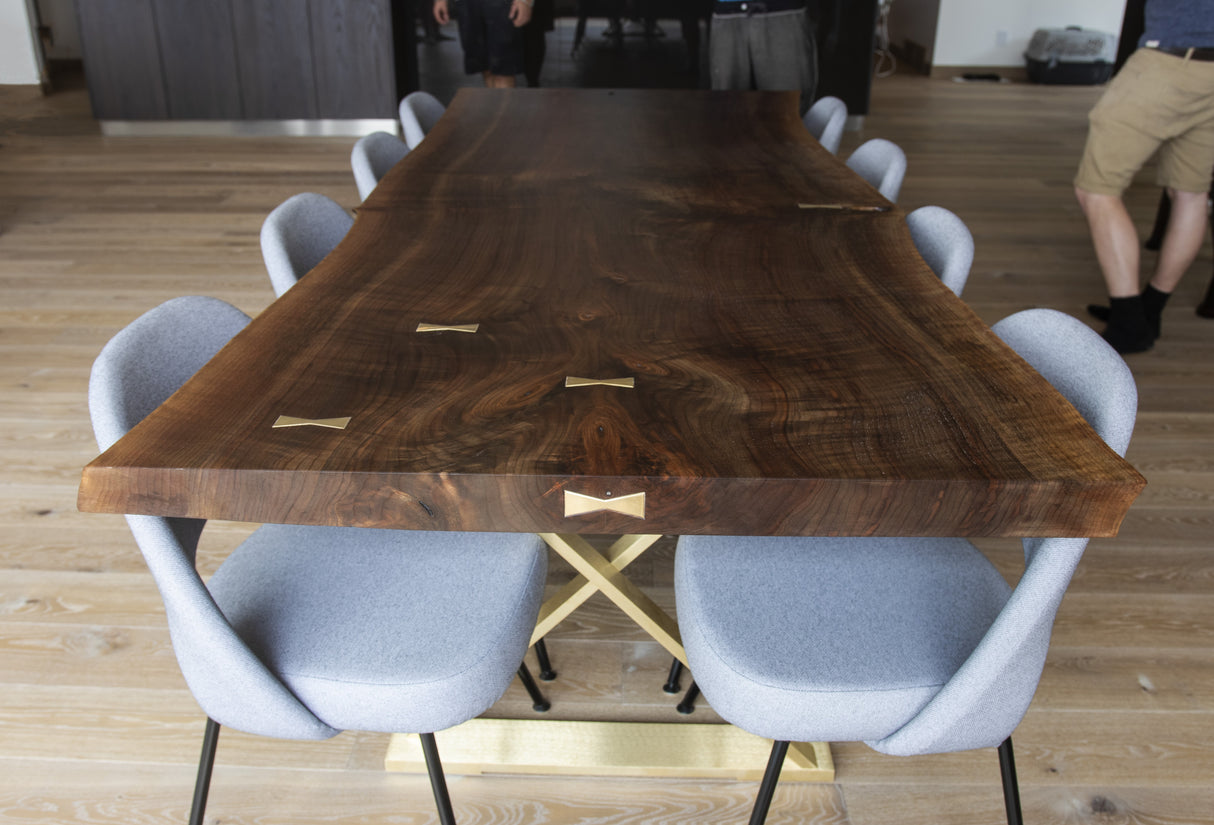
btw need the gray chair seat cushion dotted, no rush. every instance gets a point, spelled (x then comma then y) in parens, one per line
(830, 639)
(385, 630)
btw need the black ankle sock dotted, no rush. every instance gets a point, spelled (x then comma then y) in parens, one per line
(1153, 302)
(1128, 329)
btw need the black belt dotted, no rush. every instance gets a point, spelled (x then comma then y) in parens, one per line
(724, 7)
(1205, 54)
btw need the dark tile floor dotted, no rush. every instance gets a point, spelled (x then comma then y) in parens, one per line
(632, 61)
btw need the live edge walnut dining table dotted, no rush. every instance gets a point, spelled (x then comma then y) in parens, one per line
(576, 312)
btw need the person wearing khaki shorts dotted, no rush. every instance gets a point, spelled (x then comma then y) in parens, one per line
(1160, 104)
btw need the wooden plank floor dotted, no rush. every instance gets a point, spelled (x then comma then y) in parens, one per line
(96, 725)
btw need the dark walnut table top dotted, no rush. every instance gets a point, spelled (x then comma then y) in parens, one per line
(795, 370)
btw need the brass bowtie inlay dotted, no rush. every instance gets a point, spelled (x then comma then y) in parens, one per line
(577, 504)
(843, 207)
(423, 327)
(574, 381)
(330, 423)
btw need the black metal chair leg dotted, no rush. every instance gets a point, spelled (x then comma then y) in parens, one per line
(1011, 788)
(688, 705)
(672, 681)
(547, 674)
(768, 788)
(538, 703)
(438, 782)
(202, 785)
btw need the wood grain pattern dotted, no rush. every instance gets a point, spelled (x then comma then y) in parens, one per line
(95, 231)
(797, 371)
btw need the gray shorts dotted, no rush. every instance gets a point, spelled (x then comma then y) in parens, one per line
(774, 51)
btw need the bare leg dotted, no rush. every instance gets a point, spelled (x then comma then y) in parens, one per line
(1115, 240)
(499, 81)
(1183, 240)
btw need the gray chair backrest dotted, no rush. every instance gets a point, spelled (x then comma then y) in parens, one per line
(825, 121)
(882, 163)
(151, 357)
(419, 111)
(136, 371)
(988, 696)
(1081, 366)
(945, 243)
(371, 158)
(297, 236)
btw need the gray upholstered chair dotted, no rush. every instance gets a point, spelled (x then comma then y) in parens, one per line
(419, 111)
(307, 631)
(371, 158)
(913, 645)
(882, 163)
(297, 236)
(825, 121)
(945, 243)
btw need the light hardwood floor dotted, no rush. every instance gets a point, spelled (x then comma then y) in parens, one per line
(96, 725)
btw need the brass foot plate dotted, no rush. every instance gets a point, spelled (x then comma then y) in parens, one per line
(643, 749)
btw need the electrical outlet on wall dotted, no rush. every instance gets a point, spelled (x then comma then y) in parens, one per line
(1001, 38)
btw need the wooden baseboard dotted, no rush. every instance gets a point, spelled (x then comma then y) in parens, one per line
(34, 89)
(540, 746)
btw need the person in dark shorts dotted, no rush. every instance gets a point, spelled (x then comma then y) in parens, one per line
(490, 32)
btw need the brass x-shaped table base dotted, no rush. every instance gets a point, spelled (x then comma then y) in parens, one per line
(603, 572)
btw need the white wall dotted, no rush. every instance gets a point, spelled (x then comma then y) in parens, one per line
(18, 60)
(996, 32)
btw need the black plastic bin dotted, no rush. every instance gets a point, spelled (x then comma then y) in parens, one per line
(1072, 56)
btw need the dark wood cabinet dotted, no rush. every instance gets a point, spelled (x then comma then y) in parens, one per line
(351, 79)
(198, 60)
(274, 58)
(121, 49)
(240, 59)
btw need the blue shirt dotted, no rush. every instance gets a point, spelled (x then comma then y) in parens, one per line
(1179, 24)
